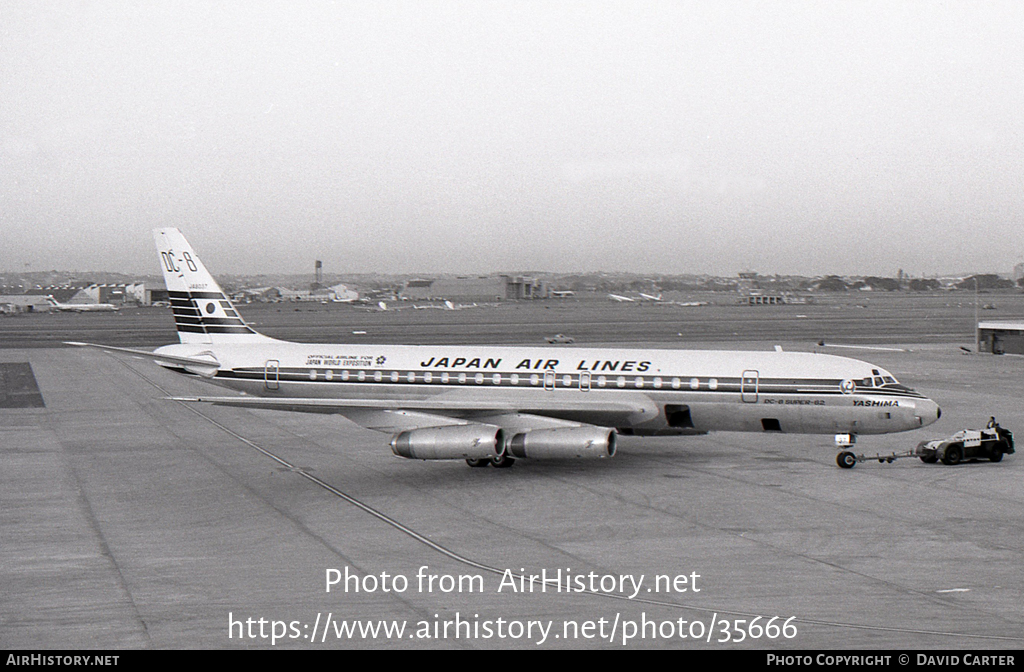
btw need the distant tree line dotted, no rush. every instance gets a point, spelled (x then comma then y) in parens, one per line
(986, 281)
(924, 284)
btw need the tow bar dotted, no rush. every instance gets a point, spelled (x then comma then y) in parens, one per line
(847, 458)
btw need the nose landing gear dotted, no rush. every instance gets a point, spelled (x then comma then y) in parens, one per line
(846, 459)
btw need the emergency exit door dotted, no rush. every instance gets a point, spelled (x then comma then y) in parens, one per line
(271, 374)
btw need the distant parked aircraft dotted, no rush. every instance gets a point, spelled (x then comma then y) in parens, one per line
(82, 307)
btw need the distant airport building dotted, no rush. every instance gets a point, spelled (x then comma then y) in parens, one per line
(285, 294)
(747, 282)
(24, 303)
(62, 293)
(476, 288)
(1001, 338)
(757, 299)
(116, 294)
(417, 289)
(154, 293)
(762, 300)
(342, 293)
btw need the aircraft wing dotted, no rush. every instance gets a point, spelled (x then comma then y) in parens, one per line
(395, 415)
(437, 405)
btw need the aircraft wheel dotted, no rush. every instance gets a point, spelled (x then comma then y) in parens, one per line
(476, 464)
(846, 459)
(997, 454)
(503, 461)
(929, 459)
(953, 455)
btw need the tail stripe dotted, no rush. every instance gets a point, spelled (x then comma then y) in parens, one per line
(189, 316)
(196, 295)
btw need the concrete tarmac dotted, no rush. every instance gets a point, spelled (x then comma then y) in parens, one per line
(131, 521)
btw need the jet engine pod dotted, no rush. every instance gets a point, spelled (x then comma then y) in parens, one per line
(455, 442)
(540, 444)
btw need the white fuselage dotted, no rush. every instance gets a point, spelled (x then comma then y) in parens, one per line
(671, 391)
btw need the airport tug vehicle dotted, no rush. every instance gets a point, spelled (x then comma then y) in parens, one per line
(967, 444)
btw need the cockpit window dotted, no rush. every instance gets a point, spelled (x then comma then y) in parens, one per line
(889, 379)
(878, 381)
(866, 382)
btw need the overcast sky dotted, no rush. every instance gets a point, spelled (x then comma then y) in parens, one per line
(429, 137)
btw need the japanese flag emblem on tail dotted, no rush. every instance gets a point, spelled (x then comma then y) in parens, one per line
(202, 312)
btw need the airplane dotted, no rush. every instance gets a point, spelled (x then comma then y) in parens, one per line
(492, 405)
(82, 307)
(643, 298)
(447, 305)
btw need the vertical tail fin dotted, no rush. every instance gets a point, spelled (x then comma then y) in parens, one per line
(202, 312)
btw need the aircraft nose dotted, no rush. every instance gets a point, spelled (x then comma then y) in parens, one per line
(927, 412)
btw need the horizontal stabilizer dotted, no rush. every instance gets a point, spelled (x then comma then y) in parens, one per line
(201, 366)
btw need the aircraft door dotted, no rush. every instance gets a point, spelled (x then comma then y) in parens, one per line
(748, 387)
(549, 379)
(271, 374)
(585, 381)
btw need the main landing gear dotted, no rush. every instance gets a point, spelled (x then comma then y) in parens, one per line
(503, 461)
